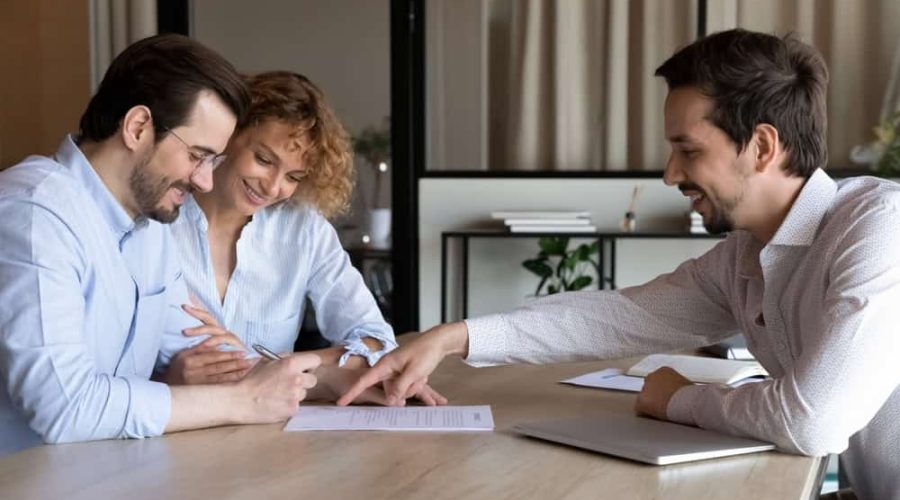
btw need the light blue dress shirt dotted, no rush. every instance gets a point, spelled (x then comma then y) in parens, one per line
(285, 254)
(86, 293)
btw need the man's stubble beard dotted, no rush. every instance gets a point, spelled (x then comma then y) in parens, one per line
(149, 189)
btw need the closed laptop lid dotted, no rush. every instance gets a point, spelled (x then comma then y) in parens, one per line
(641, 439)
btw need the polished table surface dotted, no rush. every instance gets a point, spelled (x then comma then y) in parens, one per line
(263, 462)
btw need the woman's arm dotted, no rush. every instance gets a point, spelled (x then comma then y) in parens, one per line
(345, 308)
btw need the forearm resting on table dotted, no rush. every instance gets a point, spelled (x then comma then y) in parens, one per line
(198, 406)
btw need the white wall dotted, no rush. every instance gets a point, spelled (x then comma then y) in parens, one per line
(342, 45)
(497, 280)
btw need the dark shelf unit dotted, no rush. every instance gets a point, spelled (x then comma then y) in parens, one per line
(375, 265)
(606, 241)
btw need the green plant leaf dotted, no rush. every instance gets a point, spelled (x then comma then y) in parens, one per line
(889, 163)
(888, 134)
(554, 245)
(583, 252)
(539, 267)
(561, 268)
(581, 282)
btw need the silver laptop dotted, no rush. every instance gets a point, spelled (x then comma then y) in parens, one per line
(641, 439)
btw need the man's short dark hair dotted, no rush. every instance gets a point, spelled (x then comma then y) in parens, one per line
(165, 73)
(755, 78)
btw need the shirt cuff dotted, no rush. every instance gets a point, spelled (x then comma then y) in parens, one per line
(681, 406)
(149, 409)
(487, 340)
(356, 347)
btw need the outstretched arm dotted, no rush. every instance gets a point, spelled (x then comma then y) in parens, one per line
(405, 370)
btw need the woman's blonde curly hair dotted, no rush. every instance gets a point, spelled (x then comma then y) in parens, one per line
(293, 99)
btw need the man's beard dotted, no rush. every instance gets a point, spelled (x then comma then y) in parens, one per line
(149, 189)
(720, 221)
(722, 216)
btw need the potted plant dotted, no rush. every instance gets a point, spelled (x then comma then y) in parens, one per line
(561, 269)
(882, 155)
(888, 134)
(373, 145)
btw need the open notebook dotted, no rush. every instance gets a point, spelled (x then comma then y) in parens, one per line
(694, 368)
(699, 369)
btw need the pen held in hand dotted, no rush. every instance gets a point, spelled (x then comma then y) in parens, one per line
(266, 353)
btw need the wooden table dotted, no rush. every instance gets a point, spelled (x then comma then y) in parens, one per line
(264, 462)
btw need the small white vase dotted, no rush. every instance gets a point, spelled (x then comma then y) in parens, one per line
(380, 227)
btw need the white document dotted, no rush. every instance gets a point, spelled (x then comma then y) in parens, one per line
(610, 378)
(410, 418)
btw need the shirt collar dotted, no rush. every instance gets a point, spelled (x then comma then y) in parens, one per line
(800, 226)
(192, 211)
(70, 156)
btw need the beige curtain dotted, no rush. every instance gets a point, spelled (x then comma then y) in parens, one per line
(571, 83)
(115, 24)
(858, 40)
(891, 102)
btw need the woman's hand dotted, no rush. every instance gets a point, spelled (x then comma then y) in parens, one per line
(205, 363)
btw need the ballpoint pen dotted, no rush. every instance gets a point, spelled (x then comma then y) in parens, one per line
(266, 353)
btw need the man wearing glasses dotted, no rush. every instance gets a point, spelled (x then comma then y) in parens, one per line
(89, 279)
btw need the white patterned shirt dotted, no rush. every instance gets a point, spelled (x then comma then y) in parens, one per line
(819, 306)
(285, 255)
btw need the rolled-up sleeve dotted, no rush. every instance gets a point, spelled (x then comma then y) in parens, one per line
(50, 365)
(345, 309)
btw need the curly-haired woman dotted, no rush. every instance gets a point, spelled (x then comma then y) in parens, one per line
(259, 245)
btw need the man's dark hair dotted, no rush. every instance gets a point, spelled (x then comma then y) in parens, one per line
(755, 78)
(164, 73)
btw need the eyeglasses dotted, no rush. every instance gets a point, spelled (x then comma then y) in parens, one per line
(200, 159)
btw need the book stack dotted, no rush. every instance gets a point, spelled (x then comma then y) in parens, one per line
(546, 221)
(695, 221)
